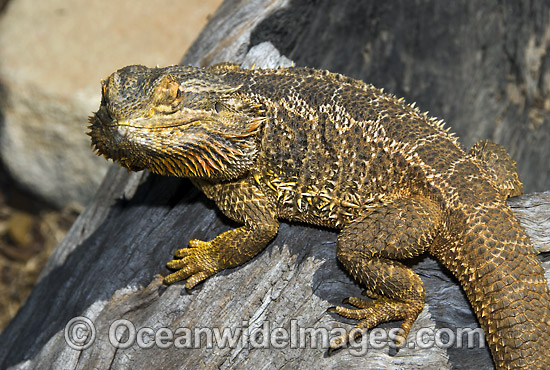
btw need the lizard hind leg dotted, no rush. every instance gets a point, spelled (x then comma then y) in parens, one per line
(368, 247)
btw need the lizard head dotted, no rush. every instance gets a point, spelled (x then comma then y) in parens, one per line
(180, 121)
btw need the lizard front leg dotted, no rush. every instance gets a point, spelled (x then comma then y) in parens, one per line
(243, 202)
(368, 247)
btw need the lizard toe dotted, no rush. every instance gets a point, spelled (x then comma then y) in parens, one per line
(195, 264)
(371, 313)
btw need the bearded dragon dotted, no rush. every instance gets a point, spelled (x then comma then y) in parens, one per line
(306, 145)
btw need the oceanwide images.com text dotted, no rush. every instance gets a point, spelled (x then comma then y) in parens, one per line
(80, 334)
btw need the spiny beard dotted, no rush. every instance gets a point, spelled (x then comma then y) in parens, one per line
(221, 148)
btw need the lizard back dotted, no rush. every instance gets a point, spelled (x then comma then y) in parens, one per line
(332, 145)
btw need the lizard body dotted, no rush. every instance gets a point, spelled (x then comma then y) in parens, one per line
(321, 148)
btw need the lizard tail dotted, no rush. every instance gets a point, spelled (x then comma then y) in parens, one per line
(504, 281)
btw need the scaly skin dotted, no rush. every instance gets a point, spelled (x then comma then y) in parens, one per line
(313, 146)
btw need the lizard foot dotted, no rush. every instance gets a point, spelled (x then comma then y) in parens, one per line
(196, 263)
(374, 312)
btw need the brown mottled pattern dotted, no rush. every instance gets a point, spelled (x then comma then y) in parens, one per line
(313, 146)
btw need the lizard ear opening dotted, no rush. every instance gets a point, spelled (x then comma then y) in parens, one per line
(220, 107)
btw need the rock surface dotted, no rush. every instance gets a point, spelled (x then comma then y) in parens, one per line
(52, 56)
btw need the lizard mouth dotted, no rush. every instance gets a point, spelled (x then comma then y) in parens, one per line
(146, 124)
(128, 141)
(161, 121)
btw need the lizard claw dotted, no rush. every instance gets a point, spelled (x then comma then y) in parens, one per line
(196, 263)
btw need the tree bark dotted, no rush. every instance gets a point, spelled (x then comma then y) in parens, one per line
(110, 265)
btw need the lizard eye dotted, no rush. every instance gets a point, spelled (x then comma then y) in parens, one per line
(173, 93)
(167, 96)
